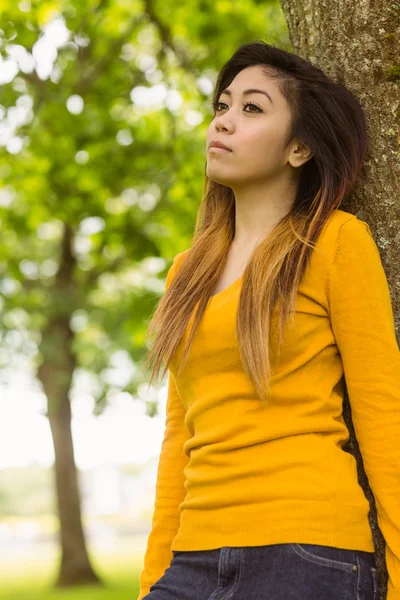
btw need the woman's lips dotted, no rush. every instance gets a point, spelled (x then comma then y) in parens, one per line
(218, 149)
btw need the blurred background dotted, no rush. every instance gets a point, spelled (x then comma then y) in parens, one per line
(104, 106)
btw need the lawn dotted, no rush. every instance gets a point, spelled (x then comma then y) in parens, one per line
(31, 577)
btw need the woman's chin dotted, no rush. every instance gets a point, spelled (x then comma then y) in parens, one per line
(216, 176)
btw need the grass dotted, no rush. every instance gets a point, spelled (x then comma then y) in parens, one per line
(31, 577)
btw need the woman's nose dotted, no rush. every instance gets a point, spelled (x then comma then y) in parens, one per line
(223, 122)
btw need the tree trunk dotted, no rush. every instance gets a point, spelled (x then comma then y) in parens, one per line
(55, 374)
(357, 43)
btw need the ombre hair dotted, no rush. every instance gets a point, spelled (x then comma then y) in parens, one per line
(328, 118)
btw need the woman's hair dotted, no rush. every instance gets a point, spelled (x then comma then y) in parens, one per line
(327, 117)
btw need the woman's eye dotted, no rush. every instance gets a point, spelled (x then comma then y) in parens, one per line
(251, 104)
(215, 106)
(244, 105)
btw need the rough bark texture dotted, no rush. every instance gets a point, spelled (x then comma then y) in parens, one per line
(55, 374)
(357, 42)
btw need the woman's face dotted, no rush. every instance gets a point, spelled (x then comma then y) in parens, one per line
(253, 126)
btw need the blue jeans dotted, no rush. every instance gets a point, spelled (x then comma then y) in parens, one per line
(272, 572)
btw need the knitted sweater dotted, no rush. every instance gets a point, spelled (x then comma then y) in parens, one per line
(234, 471)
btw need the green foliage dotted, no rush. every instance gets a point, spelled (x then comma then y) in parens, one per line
(124, 178)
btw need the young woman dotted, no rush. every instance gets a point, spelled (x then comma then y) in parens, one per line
(279, 302)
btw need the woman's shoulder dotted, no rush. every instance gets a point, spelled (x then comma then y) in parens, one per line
(176, 263)
(344, 224)
(339, 219)
(180, 257)
(340, 226)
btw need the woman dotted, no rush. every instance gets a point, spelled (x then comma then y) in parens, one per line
(255, 497)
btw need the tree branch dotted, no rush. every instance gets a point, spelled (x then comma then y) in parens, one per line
(93, 71)
(167, 38)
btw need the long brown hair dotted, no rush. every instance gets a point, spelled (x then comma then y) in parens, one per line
(327, 117)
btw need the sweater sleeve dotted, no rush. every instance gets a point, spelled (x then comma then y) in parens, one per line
(363, 325)
(170, 490)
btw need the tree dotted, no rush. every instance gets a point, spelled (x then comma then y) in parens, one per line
(101, 178)
(360, 46)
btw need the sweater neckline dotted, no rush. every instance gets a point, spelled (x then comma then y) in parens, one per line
(227, 289)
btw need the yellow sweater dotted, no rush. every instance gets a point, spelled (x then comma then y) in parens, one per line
(234, 471)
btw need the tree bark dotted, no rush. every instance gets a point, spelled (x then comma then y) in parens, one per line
(55, 374)
(357, 43)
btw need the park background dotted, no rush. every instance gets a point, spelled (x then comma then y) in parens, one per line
(104, 106)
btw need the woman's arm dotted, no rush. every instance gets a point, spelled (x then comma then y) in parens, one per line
(363, 325)
(170, 490)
